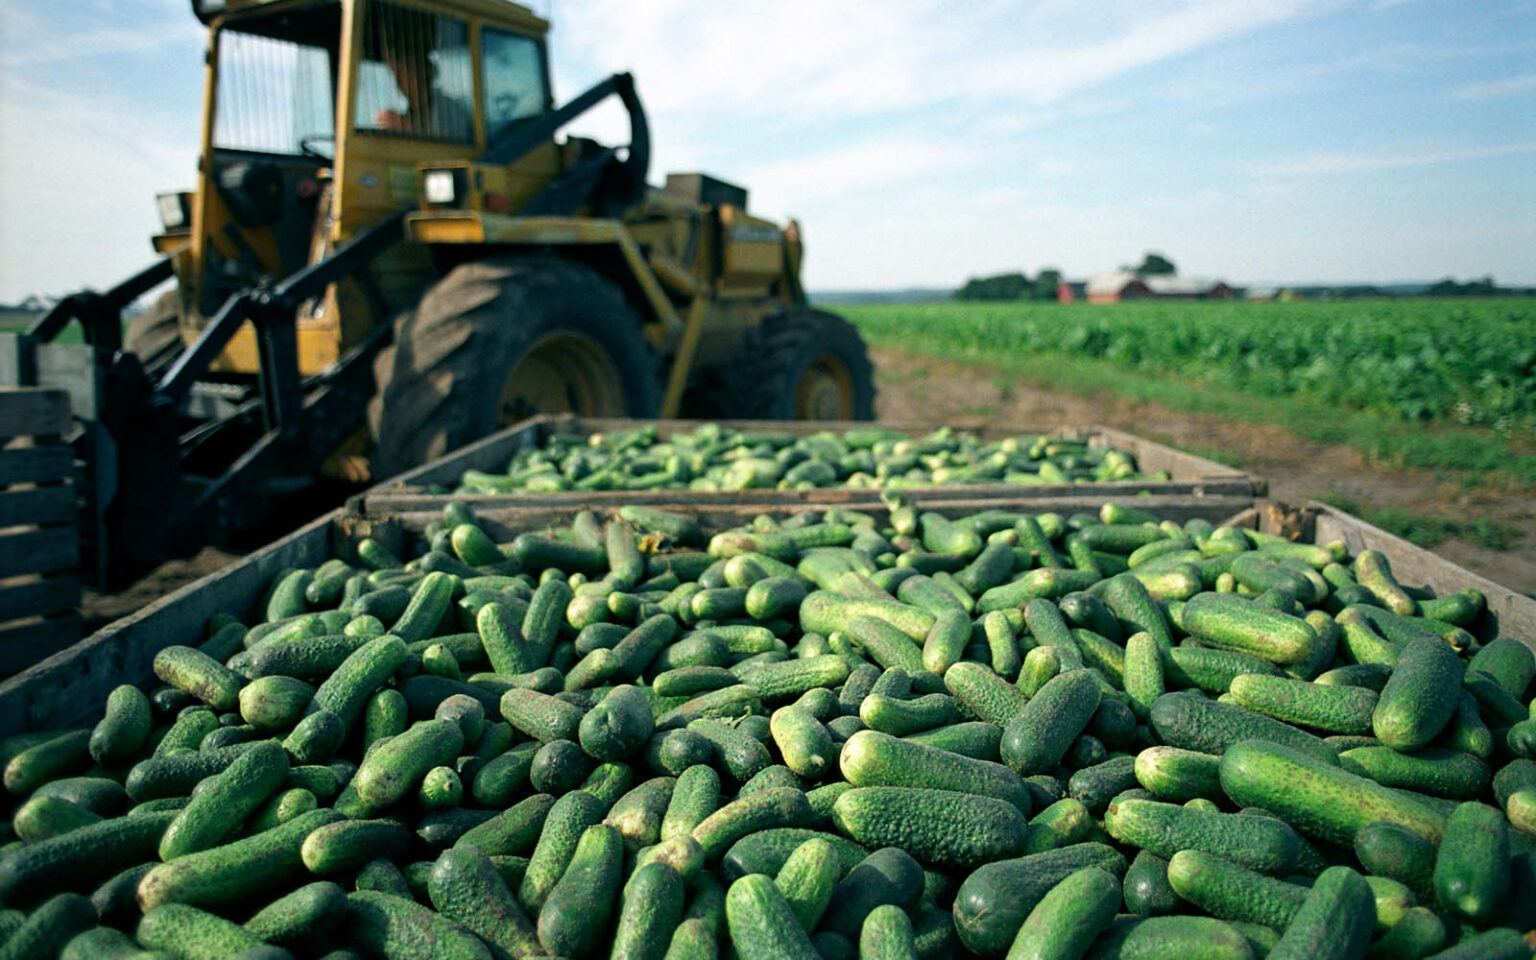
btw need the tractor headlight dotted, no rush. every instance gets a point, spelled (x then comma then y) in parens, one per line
(437, 186)
(173, 210)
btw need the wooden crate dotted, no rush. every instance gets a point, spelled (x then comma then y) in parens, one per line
(39, 528)
(69, 688)
(1192, 476)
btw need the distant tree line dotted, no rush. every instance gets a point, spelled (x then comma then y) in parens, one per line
(1011, 286)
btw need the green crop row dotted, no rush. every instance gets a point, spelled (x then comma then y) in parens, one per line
(1466, 363)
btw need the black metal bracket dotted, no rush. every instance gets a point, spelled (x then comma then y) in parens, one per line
(101, 314)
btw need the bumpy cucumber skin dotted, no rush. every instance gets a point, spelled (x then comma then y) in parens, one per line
(762, 810)
(217, 811)
(1315, 797)
(1259, 843)
(1336, 920)
(347, 690)
(465, 887)
(873, 759)
(807, 880)
(574, 917)
(399, 929)
(306, 912)
(563, 827)
(1472, 870)
(995, 899)
(173, 927)
(762, 925)
(1195, 723)
(49, 927)
(938, 827)
(239, 869)
(1069, 917)
(652, 907)
(1420, 696)
(1037, 739)
(117, 739)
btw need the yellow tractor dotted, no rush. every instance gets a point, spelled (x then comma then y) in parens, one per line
(391, 252)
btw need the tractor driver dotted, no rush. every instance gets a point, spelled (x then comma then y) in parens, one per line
(429, 111)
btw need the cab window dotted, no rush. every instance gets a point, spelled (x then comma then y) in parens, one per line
(415, 78)
(513, 71)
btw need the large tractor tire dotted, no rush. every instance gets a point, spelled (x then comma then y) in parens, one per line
(802, 365)
(498, 340)
(153, 335)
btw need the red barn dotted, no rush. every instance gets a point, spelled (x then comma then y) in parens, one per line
(1124, 285)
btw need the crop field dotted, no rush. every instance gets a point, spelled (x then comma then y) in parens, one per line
(1422, 383)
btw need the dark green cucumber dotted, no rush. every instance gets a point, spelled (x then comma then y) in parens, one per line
(976, 739)
(1509, 662)
(1420, 696)
(1195, 723)
(395, 928)
(1037, 738)
(1335, 921)
(47, 929)
(1337, 709)
(217, 810)
(763, 925)
(1392, 850)
(1069, 917)
(1433, 770)
(993, 902)
(516, 829)
(563, 827)
(760, 810)
(886, 876)
(117, 739)
(1191, 938)
(179, 929)
(938, 827)
(347, 690)
(311, 911)
(807, 880)
(1258, 843)
(1315, 797)
(651, 909)
(1147, 892)
(984, 693)
(243, 868)
(873, 759)
(574, 916)
(1472, 870)
(465, 887)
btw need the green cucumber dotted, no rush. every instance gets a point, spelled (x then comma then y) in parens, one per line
(975, 739)
(217, 810)
(1146, 889)
(519, 827)
(886, 876)
(993, 902)
(760, 810)
(807, 880)
(1258, 843)
(396, 767)
(1336, 709)
(985, 694)
(762, 923)
(116, 740)
(1420, 696)
(1178, 775)
(1069, 917)
(1336, 920)
(1433, 770)
(1037, 738)
(803, 741)
(1193, 938)
(384, 925)
(938, 827)
(311, 911)
(243, 868)
(563, 827)
(1195, 723)
(347, 690)
(1315, 797)
(1230, 622)
(183, 930)
(1472, 870)
(873, 759)
(574, 916)
(465, 887)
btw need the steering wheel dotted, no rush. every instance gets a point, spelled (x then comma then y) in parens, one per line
(306, 148)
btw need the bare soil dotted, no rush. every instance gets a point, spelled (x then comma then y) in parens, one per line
(922, 389)
(917, 388)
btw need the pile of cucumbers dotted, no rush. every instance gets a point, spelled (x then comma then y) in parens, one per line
(713, 457)
(882, 734)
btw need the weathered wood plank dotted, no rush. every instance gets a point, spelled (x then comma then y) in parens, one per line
(33, 412)
(39, 464)
(26, 642)
(40, 506)
(39, 597)
(44, 550)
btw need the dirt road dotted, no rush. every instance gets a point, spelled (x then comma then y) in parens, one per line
(923, 389)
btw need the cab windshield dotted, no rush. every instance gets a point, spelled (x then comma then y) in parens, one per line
(277, 83)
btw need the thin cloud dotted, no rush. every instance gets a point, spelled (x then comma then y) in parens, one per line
(1495, 89)
(1329, 163)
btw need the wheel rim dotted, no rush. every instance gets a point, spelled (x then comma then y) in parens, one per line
(563, 372)
(825, 391)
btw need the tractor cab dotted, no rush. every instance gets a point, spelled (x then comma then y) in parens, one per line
(317, 116)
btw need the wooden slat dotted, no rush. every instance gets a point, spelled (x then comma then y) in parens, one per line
(39, 597)
(69, 688)
(40, 464)
(33, 412)
(26, 642)
(44, 550)
(42, 506)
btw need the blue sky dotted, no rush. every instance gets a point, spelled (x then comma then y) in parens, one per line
(919, 142)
